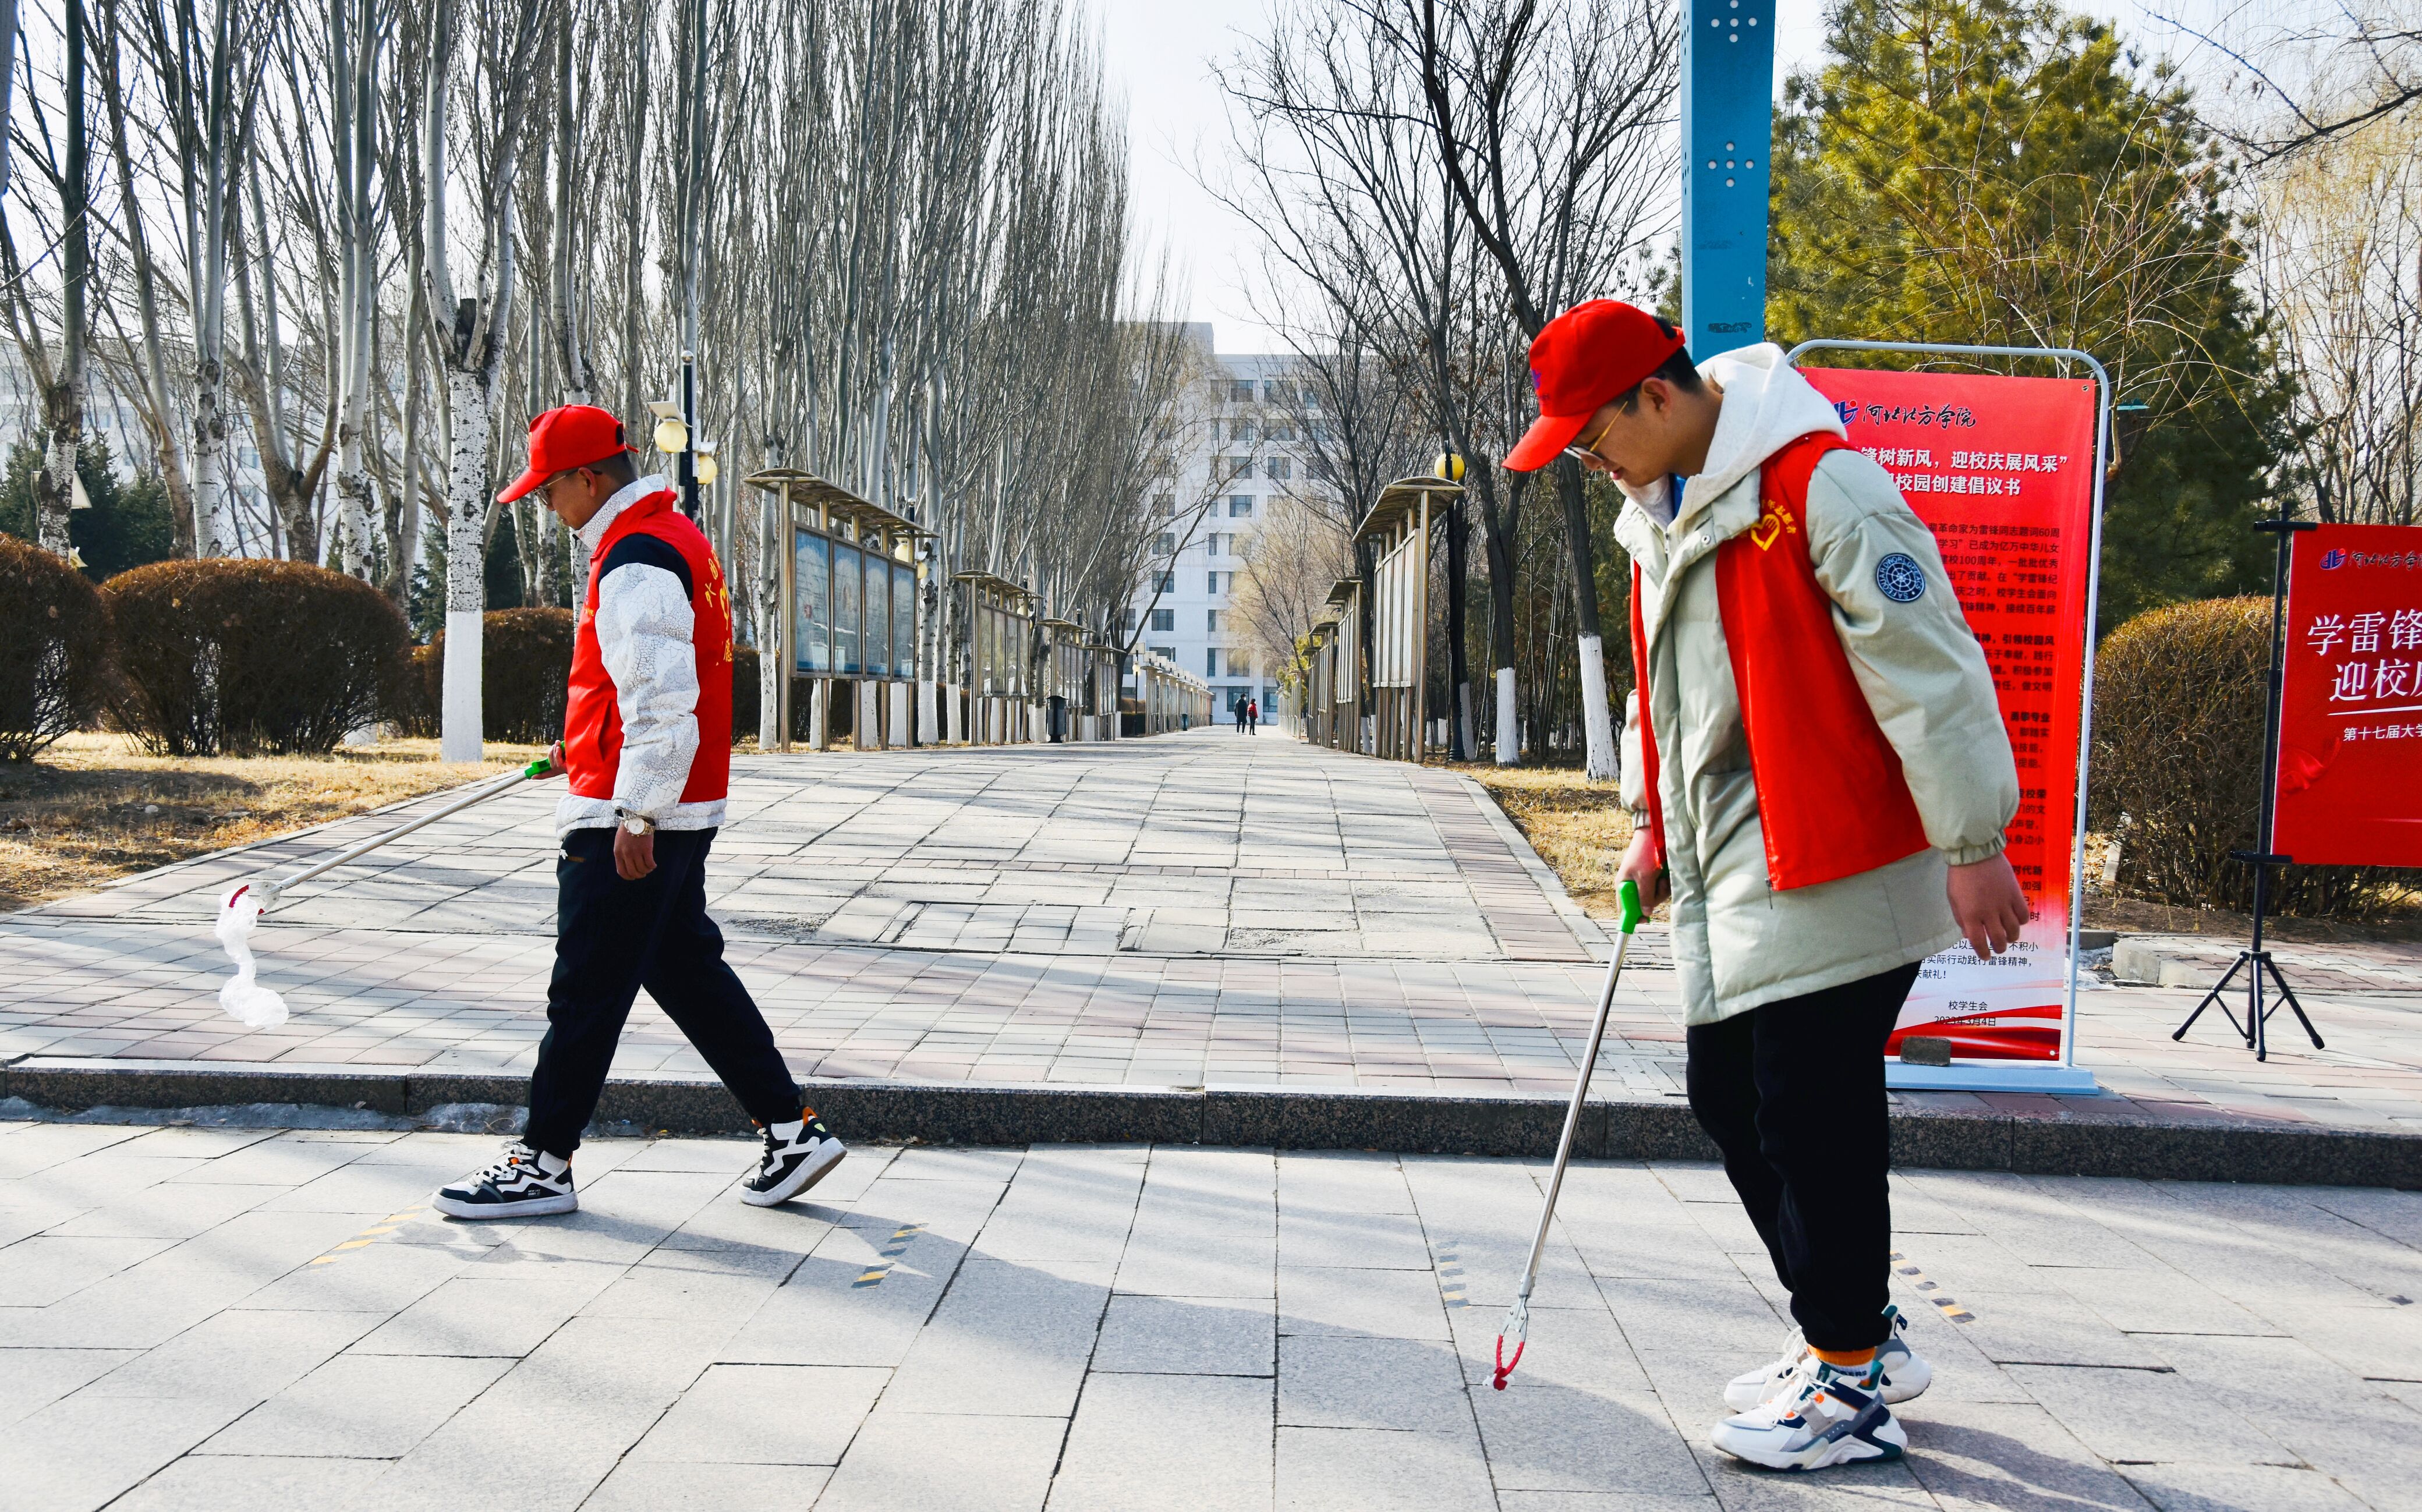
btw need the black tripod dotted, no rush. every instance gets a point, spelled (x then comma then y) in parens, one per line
(2254, 961)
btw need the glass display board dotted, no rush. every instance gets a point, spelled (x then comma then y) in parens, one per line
(847, 585)
(812, 625)
(903, 619)
(875, 645)
(987, 673)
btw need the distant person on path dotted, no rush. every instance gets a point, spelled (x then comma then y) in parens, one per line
(1817, 766)
(1252, 716)
(1238, 708)
(647, 744)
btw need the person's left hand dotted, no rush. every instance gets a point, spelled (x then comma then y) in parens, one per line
(634, 855)
(1989, 904)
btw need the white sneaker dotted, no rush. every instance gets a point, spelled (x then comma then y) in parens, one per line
(796, 1157)
(1829, 1416)
(522, 1182)
(1903, 1373)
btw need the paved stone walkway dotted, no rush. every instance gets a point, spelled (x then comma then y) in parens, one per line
(203, 1320)
(1184, 844)
(1198, 910)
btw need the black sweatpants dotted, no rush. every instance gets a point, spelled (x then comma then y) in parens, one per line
(612, 938)
(1793, 1094)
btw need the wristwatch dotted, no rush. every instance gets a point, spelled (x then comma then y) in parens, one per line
(637, 824)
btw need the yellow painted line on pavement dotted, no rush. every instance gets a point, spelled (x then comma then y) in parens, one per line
(1450, 1274)
(891, 1250)
(1930, 1290)
(376, 1231)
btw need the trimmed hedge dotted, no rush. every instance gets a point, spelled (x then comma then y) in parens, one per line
(413, 705)
(54, 649)
(2179, 697)
(529, 696)
(227, 656)
(524, 666)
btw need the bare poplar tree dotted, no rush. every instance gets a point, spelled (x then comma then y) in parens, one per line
(1549, 124)
(58, 378)
(471, 328)
(354, 37)
(206, 77)
(2340, 268)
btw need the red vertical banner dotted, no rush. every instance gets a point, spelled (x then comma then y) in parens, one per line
(2351, 709)
(2002, 471)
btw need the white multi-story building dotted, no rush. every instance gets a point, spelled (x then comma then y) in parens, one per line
(1245, 457)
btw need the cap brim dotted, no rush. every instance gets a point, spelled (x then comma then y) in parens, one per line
(520, 486)
(1544, 442)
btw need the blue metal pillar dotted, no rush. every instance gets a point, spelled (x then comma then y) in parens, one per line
(1727, 130)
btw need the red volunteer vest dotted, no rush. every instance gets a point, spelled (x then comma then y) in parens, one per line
(1831, 799)
(592, 717)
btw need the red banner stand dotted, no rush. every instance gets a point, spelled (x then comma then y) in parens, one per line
(2350, 702)
(2254, 961)
(2025, 559)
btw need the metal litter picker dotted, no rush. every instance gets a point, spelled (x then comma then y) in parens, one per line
(1516, 1326)
(239, 911)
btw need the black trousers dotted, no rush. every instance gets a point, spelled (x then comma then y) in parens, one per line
(612, 938)
(1793, 1094)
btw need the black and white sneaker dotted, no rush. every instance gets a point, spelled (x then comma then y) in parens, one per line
(798, 1154)
(524, 1183)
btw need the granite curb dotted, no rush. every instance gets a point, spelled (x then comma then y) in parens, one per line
(2196, 962)
(1595, 940)
(1342, 1118)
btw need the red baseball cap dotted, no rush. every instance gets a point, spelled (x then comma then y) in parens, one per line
(1581, 361)
(573, 436)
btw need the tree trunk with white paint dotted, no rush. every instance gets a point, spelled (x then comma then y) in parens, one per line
(467, 491)
(765, 585)
(1509, 729)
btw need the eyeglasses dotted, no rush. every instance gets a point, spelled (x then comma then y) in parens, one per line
(545, 491)
(1585, 452)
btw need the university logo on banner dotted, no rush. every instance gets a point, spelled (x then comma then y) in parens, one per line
(2351, 709)
(2002, 471)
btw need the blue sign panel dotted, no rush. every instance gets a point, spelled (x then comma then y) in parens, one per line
(1727, 130)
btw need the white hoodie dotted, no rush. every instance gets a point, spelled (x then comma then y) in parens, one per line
(1737, 942)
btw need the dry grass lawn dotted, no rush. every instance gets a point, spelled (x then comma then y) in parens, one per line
(1578, 827)
(93, 807)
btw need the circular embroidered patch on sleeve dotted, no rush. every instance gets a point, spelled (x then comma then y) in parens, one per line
(1900, 578)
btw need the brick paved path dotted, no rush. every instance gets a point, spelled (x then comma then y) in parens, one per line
(219, 1320)
(1185, 911)
(1195, 844)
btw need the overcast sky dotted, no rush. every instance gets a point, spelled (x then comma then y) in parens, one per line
(1159, 53)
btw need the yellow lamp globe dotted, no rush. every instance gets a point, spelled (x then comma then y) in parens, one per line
(706, 470)
(671, 436)
(1449, 467)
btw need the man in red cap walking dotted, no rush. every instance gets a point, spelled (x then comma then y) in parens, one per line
(646, 744)
(1817, 765)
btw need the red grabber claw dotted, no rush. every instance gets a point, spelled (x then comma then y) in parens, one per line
(1505, 1366)
(1517, 1327)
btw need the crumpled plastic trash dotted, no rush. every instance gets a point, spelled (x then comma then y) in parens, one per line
(244, 999)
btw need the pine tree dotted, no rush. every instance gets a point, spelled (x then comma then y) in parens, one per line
(2007, 173)
(128, 525)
